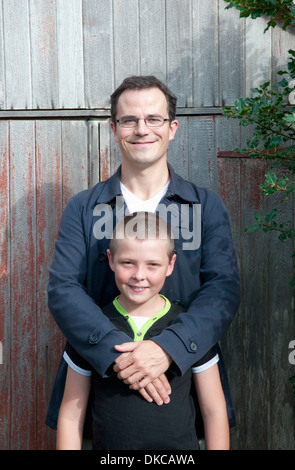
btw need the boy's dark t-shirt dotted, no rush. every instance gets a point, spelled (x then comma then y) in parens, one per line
(123, 420)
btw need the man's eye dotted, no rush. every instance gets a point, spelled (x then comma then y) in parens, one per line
(154, 120)
(128, 120)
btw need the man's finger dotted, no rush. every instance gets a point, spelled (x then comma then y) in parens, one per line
(145, 394)
(157, 392)
(126, 347)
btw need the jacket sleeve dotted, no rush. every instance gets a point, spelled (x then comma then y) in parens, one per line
(81, 321)
(210, 313)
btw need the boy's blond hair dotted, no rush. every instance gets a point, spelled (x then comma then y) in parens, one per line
(141, 226)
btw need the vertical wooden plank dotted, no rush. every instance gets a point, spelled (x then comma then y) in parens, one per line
(2, 68)
(99, 151)
(202, 152)
(179, 51)
(70, 53)
(23, 285)
(229, 187)
(49, 339)
(44, 54)
(152, 39)
(257, 54)
(178, 151)
(205, 53)
(74, 158)
(231, 55)
(255, 265)
(282, 41)
(126, 41)
(5, 407)
(227, 135)
(17, 54)
(104, 150)
(281, 332)
(93, 130)
(98, 52)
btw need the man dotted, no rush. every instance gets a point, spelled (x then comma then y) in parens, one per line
(205, 278)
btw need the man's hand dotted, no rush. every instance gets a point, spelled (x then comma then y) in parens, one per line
(141, 363)
(157, 391)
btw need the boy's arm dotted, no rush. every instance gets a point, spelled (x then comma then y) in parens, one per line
(213, 408)
(72, 411)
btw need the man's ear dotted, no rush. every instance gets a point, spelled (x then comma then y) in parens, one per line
(114, 129)
(172, 129)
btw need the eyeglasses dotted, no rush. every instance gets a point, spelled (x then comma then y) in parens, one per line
(150, 121)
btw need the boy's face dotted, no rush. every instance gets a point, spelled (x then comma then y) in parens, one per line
(140, 267)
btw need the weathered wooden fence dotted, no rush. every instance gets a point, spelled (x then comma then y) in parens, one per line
(59, 62)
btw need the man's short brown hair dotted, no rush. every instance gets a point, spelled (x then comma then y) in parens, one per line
(142, 82)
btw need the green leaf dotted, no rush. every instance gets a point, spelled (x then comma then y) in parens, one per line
(271, 178)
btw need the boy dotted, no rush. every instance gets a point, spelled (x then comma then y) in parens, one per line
(141, 254)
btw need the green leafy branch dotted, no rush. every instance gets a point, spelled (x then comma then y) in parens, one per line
(273, 121)
(273, 138)
(278, 10)
(270, 113)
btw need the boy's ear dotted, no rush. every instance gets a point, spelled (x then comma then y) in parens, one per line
(110, 258)
(171, 265)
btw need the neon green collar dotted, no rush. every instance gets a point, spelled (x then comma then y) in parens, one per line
(139, 334)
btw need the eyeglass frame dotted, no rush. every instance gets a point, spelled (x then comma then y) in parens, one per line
(136, 119)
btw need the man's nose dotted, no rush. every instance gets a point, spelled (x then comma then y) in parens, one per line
(141, 128)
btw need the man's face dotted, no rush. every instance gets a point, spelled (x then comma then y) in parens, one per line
(142, 146)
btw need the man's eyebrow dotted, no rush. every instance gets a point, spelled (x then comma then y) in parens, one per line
(128, 116)
(133, 115)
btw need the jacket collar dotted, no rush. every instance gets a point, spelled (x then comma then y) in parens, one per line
(177, 187)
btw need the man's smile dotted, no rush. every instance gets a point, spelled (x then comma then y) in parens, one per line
(142, 143)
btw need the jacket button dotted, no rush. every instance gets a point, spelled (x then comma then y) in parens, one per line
(193, 347)
(102, 257)
(93, 339)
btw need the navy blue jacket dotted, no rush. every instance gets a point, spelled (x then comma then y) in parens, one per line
(205, 279)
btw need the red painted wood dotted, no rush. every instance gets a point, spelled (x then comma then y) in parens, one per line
(4, 289)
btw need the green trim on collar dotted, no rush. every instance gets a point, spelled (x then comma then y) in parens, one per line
(139, 334)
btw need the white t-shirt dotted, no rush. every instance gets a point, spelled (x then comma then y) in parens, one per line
(135, 204)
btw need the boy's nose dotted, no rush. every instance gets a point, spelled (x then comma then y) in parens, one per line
(139, 274)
